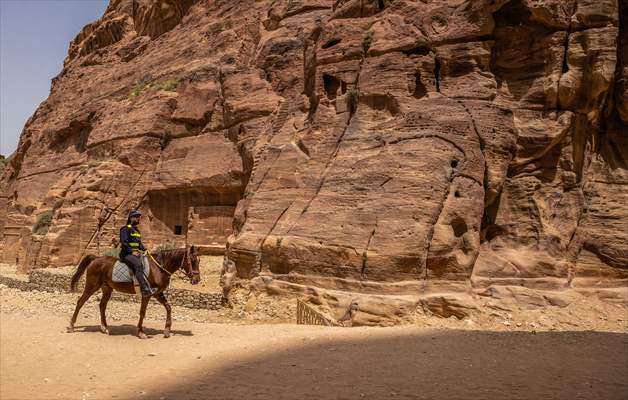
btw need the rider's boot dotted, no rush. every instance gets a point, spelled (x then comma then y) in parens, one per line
(145, 288)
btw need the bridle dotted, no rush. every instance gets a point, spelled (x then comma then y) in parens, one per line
(188, 258)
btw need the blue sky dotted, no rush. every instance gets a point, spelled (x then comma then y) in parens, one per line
(34, 40)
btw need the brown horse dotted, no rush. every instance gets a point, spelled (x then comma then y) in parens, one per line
(162, 265)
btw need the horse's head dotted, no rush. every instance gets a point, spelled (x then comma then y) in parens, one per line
(192, 269)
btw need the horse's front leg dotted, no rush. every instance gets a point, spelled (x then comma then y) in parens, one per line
(140, 331)
(162, 299)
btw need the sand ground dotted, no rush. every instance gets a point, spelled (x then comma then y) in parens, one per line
(244, 360)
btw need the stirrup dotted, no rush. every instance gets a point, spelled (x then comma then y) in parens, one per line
(150, 292)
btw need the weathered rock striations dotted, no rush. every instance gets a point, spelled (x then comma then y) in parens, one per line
(396, 153)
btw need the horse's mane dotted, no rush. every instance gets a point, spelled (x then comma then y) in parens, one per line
(171, 252)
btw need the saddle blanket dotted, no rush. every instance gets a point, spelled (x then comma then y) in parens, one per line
(122, 273)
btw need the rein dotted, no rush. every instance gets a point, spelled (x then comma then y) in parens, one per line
(159, 265)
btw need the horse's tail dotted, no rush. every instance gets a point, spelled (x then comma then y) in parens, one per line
(80, 270)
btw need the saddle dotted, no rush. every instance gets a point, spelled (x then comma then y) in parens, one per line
(122, 273)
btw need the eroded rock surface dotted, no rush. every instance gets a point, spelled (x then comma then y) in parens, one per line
(385, 151)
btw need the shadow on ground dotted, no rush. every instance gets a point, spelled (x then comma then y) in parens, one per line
(430, 365)
(126, 329)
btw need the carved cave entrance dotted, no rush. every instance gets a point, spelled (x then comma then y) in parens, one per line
(199, 216)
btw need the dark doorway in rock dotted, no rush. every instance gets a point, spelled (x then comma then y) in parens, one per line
(331, 43)
(419, 87)
(331, 84)
(178, 230)
(459, 226)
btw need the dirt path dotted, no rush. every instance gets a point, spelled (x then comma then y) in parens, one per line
(265, 361)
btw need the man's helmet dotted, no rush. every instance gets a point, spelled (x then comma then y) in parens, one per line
(134, 213)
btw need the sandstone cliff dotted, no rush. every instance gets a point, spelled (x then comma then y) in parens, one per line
(372, 149)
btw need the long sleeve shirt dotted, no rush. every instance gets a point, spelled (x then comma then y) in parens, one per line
(130, 240)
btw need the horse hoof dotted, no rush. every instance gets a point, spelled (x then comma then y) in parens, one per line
(70, 329)
(167, 333)
(104, 329)
(142, 335)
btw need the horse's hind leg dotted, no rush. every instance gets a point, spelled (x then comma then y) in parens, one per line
(162, 299)
(106, 295)
(90, 289)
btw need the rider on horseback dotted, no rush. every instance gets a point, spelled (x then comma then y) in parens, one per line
(131, 251)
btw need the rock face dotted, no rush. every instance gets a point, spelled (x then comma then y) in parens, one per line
(383, 148)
